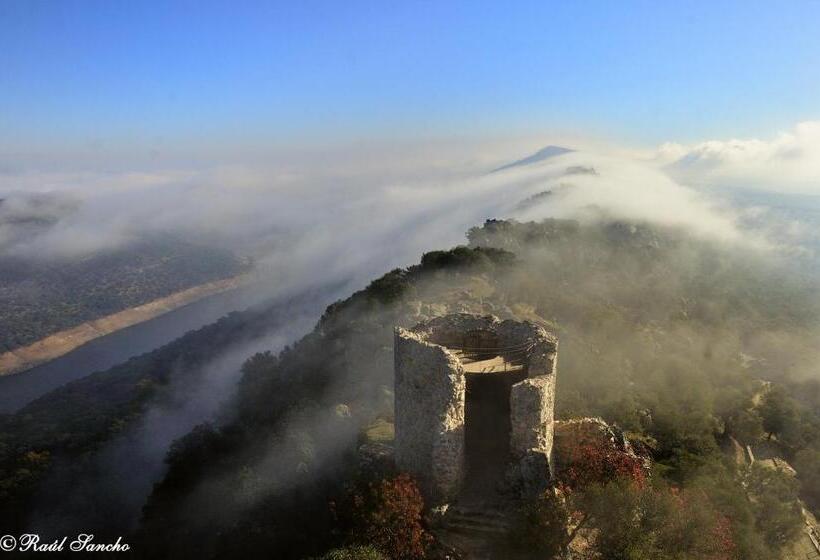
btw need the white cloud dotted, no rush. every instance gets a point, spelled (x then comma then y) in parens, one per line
(629, 189)
(790, 162)
(355, 210)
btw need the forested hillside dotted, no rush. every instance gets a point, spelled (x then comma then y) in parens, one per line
(667, 335)
(58, 437)
(685, 343)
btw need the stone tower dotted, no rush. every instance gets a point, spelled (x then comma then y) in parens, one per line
(471, 392)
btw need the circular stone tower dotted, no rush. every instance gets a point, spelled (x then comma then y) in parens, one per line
(474, 394)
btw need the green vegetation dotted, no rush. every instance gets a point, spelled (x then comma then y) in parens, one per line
(62, 430)
(807, 463)
(655, 522)
(354, 553)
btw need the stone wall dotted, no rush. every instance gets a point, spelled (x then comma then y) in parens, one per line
(532, 403)
(429, 424)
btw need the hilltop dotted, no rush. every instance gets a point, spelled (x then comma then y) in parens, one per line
(664, 358)
(541, 155)
(663, 334)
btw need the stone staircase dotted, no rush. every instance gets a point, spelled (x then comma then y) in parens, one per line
(475, 519)
(476, 531)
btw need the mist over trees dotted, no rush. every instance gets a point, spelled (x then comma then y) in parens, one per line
(88, 453)
(670, 336)
(685, 343)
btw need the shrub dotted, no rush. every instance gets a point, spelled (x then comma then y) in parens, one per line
(807, 463)
(599, 464)
(544, 524)
(387, 514)
(657, 522)
(354, 553)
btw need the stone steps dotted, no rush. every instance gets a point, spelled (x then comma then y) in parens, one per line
(489, 521)
(472, 527)
(477, 530)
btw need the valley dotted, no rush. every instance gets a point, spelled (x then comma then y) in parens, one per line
(58, 344)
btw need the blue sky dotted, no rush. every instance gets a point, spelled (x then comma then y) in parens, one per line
(141, 73)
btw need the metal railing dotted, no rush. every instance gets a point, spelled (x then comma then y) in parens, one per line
(516, 354)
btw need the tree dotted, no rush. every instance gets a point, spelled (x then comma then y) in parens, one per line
(778, 412)
(807, 464)
(775, 501)
(655, 522)
(387, 514)
(746, 426)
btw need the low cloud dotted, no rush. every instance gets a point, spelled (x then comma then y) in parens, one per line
(339, 215)
(789, 162)
(348, 211)
(627, 189)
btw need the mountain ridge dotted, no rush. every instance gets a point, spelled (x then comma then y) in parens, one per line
(543, 154)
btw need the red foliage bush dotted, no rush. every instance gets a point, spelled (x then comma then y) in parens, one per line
(723, 539)
(694, 523)
(599, 464)
(387, 514)
(607, 491)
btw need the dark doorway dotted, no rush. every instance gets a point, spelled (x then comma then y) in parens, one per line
(487, 431)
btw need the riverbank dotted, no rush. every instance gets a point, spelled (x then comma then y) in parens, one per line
(24, 358)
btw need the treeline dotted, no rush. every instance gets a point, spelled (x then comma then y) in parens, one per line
(686, 343)
(59, 435)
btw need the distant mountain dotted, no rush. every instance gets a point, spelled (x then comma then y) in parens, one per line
(540, 155)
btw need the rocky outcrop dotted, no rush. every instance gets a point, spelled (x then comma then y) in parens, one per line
(572, 435)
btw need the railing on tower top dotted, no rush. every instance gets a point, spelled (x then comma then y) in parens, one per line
(510, 354)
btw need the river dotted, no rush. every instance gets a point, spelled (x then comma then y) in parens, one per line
(19, 389)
